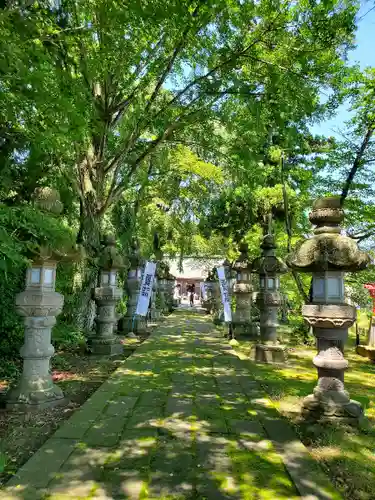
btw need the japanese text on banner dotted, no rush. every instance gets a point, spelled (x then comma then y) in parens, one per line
(146, 289)
(224, 294)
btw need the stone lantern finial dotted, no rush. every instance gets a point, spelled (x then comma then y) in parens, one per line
(110, 257)
(48, 199)
(327, 255)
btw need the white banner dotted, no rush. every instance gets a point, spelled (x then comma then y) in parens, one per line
(224, 294)
(146, 289)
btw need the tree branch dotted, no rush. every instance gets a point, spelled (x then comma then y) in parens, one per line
(357, 162)
(288, 228)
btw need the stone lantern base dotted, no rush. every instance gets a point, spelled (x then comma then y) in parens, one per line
(26, 397)
(105, 347)
(331, 406)
(366, 351)
(271, 354)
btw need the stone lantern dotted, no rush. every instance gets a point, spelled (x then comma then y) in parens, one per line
(268, 300)
(328, 255)
(242, 292)
(106, 296)
(154, 310)
(230, 275)
(132, 323)
(171, 280)
(162, 272)
(368, 350)
(216, 303)
(209, 286)
(39, 305)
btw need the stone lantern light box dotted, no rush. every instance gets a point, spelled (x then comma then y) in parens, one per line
(41, 275)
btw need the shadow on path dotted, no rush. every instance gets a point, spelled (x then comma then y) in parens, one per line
(181, 419)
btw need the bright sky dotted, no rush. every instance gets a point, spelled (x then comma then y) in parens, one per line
(364, 54)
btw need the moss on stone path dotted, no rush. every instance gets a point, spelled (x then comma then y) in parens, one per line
(181, 419)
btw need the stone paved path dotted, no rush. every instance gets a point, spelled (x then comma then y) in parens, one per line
(180, 419)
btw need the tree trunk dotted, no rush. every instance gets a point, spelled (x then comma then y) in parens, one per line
(90, 237)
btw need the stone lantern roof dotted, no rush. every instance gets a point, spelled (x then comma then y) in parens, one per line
(243, 261)
(135, 258)
(110, 257)
(268, 263)
(328, 249)
(48, 200)
(211, 277)
(162, 270)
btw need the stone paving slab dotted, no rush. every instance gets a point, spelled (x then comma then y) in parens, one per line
(181, 418)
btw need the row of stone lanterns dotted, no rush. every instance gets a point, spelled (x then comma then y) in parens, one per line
(327, 255)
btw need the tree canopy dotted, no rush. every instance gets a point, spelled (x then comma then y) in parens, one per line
(182, 122)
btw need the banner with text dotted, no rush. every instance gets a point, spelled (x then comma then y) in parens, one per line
(146, 289)
(224, 294)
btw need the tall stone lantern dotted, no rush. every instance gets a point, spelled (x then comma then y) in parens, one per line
(268, 300)
(209, 286)
(162, 272)
(39, 305)
(242, 291)
(230, 274)
(328, 255)
(171, 280)
(106, 296)
(154, 309)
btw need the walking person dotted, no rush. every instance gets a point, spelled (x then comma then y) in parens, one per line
(192, 293)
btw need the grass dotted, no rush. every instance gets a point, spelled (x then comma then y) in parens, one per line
(346, 454)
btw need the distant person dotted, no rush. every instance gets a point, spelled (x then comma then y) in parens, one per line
(192, 293)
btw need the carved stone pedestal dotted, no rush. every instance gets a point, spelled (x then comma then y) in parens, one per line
(272, 354)
(330, 400)
(35, 389)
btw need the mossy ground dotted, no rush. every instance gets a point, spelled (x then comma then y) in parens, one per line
(345, 453)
